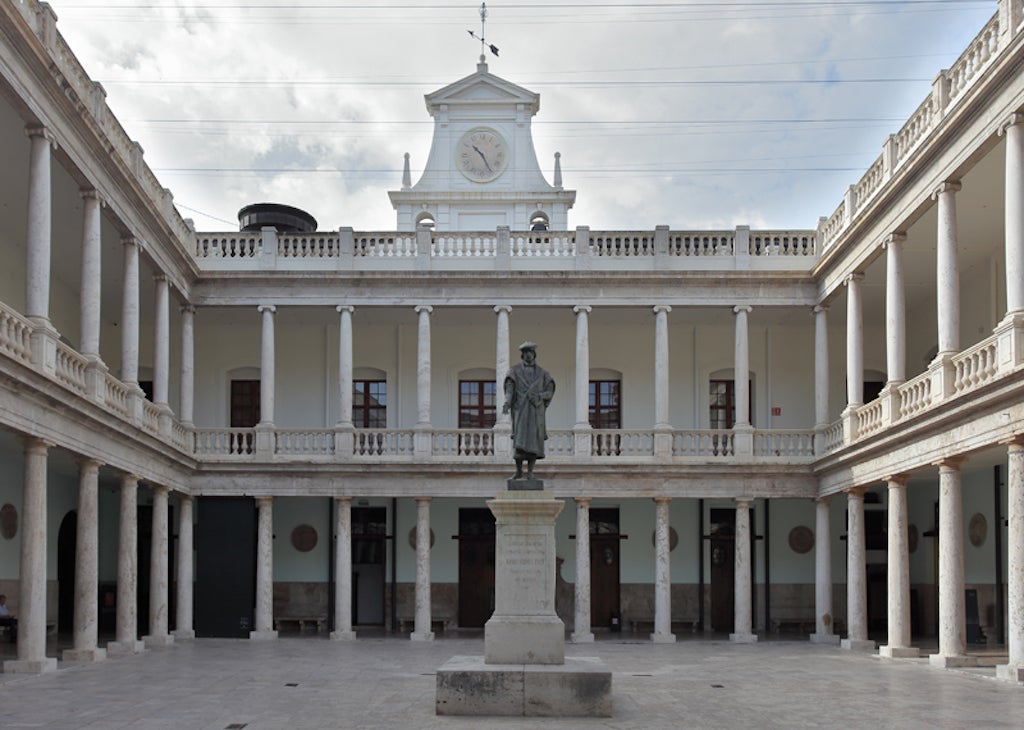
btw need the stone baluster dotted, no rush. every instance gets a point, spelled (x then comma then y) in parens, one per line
(582, 633)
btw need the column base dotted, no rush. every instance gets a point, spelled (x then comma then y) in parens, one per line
(421, 636)
(30, 666)
(899, 652)
(158, 640)
(857, 644)
(84, 655)
(343, 636)
(184, 634)
(743, 638)
(1010, 672)
(262, 635)
(124, 648)
(663, 638)
(582, 637)
(943, 661)
(817, 638)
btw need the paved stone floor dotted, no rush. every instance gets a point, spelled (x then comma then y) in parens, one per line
(310, 682)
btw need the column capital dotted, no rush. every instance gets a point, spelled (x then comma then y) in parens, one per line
(499, 308)
(950, 462)
(266, 308)
(423, 499)
(129, 480)
(86, 462)
(585, 308)
(420, 308)
(38, 130)
(855, 492)
(855, 276)
(742, 502)
(1017, 440)
(93, 194)
(581, 501)
(946, 186)
(160, 277)
(659, 308)
(899, 480)
(160, 489)
(661, 500)
(264, 501)
(343, 501)
(344, 308)
(132, 241)
(742, 308)
(826, 499)
(187, 307)
(819, 309)
(893, 239)
(36, 445)
(1012, 120)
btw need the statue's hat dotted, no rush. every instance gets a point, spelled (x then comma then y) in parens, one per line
(528, 346)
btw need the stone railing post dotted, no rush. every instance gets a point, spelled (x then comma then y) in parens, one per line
(741, 248)
(503, 252)
(346, 248)
(660, 247)
(583, 248)
(268, 247)
(424, 244)
(940, 93)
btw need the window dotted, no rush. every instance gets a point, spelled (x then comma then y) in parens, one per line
(245, 403)
(606, 403)
(722, 402)
(370, 403)
(476, 403)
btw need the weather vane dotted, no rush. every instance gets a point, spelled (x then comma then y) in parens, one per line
(481, 38)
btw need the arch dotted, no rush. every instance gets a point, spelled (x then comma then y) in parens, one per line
(425, 219)
(67, 547)
(477, 374)
(367, 373)
(539, 221)
(605, 374)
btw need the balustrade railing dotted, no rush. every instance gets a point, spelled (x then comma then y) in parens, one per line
(116, 397)
(708, 442)
(701, 243)
(150, 417)
(536, 244)
(869, 418)
(71, 368)
(784, 443)
(560, 443)
(182, 437)
(621, 244)
(384, 245)
(303, 442)
(308, 245)
(463, 442)
(228, 245)
(832, 437)
(464, 245)
(796, 243)
(915, 395)
(974, 58)
(383, 442)
(225, 442)
(15, 335)
(976, 366)
(614, 442)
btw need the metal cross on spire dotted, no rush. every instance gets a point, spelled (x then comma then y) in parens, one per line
(484, 45)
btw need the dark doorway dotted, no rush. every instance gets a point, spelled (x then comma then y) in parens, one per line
(225, 542)
(723, 569)
(604, 565)
(476, 566)
(67, 545)
(369, 548)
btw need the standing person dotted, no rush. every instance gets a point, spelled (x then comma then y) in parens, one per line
(8, 619)
(528, 391)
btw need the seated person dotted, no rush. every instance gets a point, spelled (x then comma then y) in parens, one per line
(8, 619)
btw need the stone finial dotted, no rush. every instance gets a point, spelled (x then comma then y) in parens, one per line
(406, 176)
(558, 170)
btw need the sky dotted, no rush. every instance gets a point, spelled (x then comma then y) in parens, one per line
(697, 115)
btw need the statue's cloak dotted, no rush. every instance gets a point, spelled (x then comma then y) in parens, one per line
(528, 391)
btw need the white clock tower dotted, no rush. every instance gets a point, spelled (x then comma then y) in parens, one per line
(482, 171)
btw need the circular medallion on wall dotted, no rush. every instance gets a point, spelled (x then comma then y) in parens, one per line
(8, 521)
(912, 536)
(673, 538)
(801, 539)
(412, 538)
(977, 529)
(304, 538)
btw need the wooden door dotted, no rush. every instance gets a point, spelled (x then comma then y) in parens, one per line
(723, 569)
(369, 551)
(476, 566)
(604, 565)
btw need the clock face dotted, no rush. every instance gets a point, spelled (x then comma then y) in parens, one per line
(481, 155)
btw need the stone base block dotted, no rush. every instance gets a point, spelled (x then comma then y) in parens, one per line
(942, 661)
(825, 639)
(524, 484)
(857, 644)
(585, 637)
(30, 666)
(421, 636)
(524, 640)
(84, 655)
(123, 648)
(184, 634)
(343, 636)
(581, 687)
(262, 635)
(899, 652)
(160, 640)
(663, 638)
(1010, 672)
(743, 638)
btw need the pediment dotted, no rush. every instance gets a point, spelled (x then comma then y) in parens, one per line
(482, 87)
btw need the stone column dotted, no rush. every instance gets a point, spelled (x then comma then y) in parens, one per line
(264, 571)
(898, 573)
(343, 570)
(1014, 669)
(345, 365)
(856, 575)
(947, 271)
(183, 613)
(130, 313)
(582, 428)
(502, 360)
(743, 624)
(161, 341)
(158, 581)
(854, 343)
(87, 566)
(662, 575)
(267, 355)
(422, 629)
(188, 357)
(89, 300)
(422, 439)
(741, 367)
(582, 633)
(952, 609)
(31, 654)
(1014, 197)
(38, 227)
(661, 379)
(824, 620)
(127, 571)
(895, 311)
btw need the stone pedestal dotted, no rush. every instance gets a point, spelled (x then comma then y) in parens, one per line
(817, 638)
(524, 670)
(30, 666)
(899, 652)
(857, 644)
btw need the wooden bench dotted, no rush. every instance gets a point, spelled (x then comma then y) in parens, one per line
(798, 625)
(639, 624)
(302, 622)
(51, 628)
(438, 625)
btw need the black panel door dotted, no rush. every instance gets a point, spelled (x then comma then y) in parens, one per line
(225, 592)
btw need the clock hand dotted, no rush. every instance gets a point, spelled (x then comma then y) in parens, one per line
(486, 163)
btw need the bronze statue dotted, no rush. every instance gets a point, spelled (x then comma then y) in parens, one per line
(528, 391)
